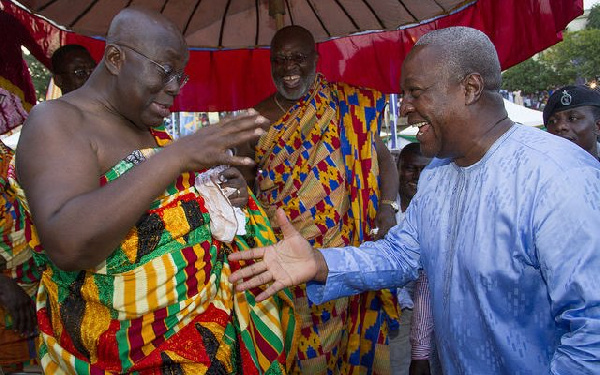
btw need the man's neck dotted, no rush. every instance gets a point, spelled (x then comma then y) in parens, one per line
(481, 144)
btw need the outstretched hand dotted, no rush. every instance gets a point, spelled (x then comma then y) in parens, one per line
(291, 261)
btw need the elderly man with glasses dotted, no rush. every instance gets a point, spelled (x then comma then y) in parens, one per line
(133, 241)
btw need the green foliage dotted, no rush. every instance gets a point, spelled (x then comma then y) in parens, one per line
(562, 64)
(593, 21)
(575, 57)
(39, 75)
(529, 76)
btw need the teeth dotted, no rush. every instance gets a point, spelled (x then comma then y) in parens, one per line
(419, 124)
(290, 78)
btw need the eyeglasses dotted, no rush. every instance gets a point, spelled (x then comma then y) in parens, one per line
(298, 58)
(168, 74)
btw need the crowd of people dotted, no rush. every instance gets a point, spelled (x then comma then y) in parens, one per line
(287, 239)
(536, 100)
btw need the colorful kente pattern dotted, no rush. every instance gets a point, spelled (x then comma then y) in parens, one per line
(318, 162)
(161, 303)
(16, 261)
(15, 254)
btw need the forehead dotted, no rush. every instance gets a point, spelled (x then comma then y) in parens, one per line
(166, 50)
(292, 43)
(413, 68)
(78, 56)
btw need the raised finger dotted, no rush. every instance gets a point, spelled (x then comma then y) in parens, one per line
(255, 253)
(244, 123)
(287, 229)
(258, 280)
(269, 291)
(248, 271)
(231, 134)
(239, 160)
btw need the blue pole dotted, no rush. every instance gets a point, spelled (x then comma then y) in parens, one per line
(394, 120)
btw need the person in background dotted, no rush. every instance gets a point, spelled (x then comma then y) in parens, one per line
(132, 229)
(17, 93)
(573, 112)
(19, 276)
(323, 162)
(504, 224)
(72, 65)
(411, 344)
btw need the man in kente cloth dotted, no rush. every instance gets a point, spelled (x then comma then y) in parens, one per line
(323, 162)
(134, 255)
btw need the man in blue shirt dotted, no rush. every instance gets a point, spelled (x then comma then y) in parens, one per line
(505, 224)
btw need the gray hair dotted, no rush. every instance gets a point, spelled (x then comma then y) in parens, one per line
(466, 50)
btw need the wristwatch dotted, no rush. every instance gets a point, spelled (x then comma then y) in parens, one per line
(394, 204)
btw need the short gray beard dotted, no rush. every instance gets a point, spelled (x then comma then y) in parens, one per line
(305, 86)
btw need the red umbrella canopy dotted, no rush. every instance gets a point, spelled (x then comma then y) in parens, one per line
(249, 23)
(359, 42)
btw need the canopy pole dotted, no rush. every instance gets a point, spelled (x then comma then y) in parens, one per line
(277, 11)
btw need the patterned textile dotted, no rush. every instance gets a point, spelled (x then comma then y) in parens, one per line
(162, 302)
(12, 113)
(16, 259)
(318, 163)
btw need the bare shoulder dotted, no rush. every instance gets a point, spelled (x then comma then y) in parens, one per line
(51, 136)
(52, 119)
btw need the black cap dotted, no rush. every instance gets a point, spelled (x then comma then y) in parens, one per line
(570, 97)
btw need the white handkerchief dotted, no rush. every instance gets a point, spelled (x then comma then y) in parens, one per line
(226, 221)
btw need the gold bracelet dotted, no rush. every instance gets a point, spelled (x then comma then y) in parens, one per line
(393, 204)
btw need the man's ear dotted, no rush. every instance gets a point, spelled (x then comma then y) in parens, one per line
(113, 58)
(474, 84)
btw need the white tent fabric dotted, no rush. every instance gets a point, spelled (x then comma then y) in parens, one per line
(517, 113)
(524, 115)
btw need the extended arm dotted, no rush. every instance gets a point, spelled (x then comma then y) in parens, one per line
(81, 223)
(390, 262)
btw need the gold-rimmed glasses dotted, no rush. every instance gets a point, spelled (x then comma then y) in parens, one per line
(169, 75)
